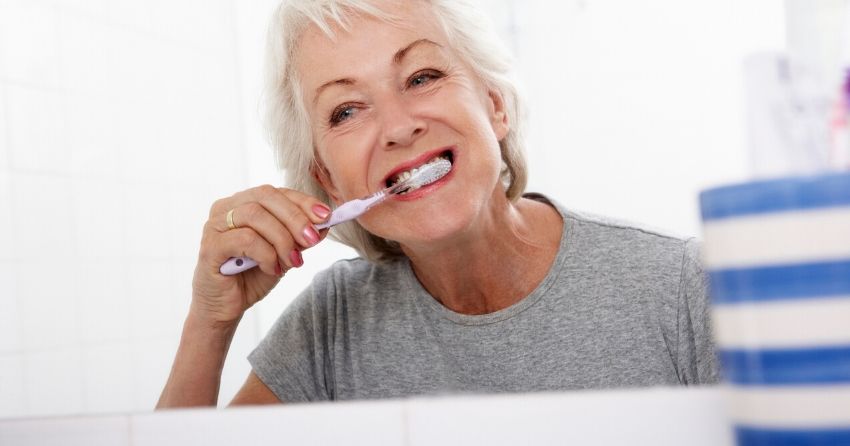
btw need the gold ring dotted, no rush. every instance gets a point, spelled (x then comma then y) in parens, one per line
(230, 224)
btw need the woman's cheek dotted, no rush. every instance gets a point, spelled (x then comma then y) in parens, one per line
(350, 178)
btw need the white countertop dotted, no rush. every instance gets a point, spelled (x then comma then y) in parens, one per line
(659, 416)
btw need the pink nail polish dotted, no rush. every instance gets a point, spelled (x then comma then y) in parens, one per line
(321, 211)
(311, 235)
(295, 258)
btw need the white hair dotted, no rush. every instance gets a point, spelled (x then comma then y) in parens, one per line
(470, 35)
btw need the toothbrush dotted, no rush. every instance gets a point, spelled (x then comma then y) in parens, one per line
(350, 210)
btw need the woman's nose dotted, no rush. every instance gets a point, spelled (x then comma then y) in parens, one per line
(401, 126)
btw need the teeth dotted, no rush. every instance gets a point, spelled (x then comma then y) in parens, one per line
(404, 176)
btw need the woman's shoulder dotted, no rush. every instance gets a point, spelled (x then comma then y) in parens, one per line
(360, 274)
(632, 239)
(602, 228)
(625, 228)
(606, 242)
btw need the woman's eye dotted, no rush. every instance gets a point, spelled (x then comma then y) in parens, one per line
(423, 77)
(341, 113)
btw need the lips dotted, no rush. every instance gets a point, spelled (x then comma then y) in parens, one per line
(420, 160)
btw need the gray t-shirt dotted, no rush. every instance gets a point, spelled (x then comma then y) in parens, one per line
(621, 306)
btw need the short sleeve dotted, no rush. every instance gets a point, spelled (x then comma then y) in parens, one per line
(292, 358)
(698, 362)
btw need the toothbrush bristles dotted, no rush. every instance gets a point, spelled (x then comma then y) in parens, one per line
(427, 174)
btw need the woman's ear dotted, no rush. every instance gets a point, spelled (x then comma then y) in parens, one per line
(323, 177)
(498, 115)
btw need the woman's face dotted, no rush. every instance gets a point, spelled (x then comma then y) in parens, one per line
(385, 98)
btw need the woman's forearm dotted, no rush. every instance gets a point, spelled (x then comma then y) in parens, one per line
(196, 374)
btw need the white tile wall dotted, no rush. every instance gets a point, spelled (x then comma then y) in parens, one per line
(112, 12)
(53, 381)
(251, 38)
(35, 127)
(678, 114)
(182, 271)
(191, 202)
(87, 50)
(41, 206)
(187, 149)
(10, 330)
(6, 228)
(120, 124)
(149, 288)
(12, 390)
(4, 154)
(147, 220)
(197, 23)
(48, 308)
(11, 360)
(33, 63)
(98, 204)
(142, 135)
(102, 301)
(107, 370)
(91, 137)
(130, 14)
(150, 364)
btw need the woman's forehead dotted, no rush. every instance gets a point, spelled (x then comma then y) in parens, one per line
(367, 42)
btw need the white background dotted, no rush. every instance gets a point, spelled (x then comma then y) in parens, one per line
(121, 121)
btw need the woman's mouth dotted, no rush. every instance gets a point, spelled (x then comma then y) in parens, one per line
(435, 163)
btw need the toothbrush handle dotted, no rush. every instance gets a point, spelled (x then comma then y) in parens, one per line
(236, 265)
(353, 209)
(345, 212)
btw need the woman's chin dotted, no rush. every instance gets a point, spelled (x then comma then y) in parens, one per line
(431, 223)
(431, 233)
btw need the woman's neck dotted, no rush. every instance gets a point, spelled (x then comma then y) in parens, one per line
(501, 259)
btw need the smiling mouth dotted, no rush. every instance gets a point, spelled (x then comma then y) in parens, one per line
(404, 175)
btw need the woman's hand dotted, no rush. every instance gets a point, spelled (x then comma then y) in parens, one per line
(272, 226)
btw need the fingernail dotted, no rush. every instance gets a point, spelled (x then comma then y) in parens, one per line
(295, 258)
(321, 211)
(311, 235)
(277, 269)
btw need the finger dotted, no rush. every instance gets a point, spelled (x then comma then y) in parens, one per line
(310, 205)
(287, 229)
(275, 199)
(292, 216)
(253, 215)
(221, 206)
(241, 242)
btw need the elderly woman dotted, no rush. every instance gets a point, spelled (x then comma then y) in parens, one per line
(463, 285)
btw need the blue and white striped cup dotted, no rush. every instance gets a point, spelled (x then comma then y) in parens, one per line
(777, 254)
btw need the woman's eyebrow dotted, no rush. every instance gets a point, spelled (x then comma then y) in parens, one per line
(397, 58)
(343, 81)
(399, 55)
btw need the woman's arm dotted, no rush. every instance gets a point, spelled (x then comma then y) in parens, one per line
(254, 392)
(196, 374)
(270, 225)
